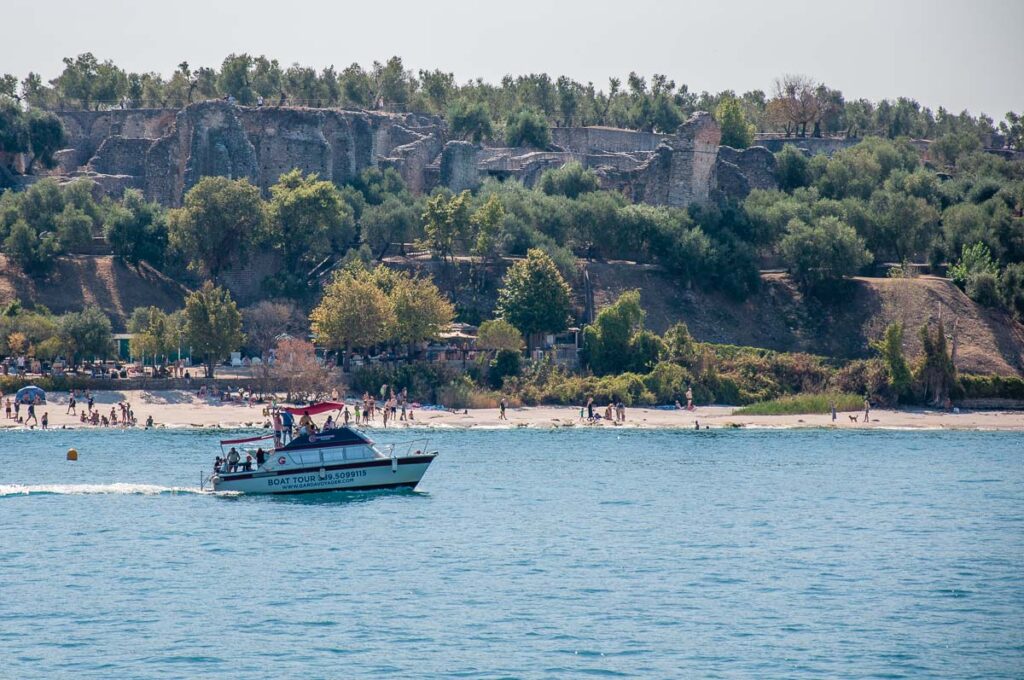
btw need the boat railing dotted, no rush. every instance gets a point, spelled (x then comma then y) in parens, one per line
(404, 449)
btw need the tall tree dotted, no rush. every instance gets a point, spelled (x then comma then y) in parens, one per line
(220, 222)
(213, 325)
(535, 298)
(353, 313)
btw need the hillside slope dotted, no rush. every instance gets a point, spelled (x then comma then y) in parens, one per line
(780, 318)
(83, 280)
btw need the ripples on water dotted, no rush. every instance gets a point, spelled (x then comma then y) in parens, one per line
(524, 554)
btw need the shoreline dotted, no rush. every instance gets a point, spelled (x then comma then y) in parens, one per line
(178, 409)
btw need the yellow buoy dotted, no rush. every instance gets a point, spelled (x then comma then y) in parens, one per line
(72, 454)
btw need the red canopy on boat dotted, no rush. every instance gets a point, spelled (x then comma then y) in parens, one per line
(314, 409)
(246, 440)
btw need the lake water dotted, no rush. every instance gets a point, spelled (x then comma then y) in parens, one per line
(797, 554)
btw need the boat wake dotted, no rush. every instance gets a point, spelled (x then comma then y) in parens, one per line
(121, 488)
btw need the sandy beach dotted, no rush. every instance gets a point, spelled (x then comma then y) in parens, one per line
(180, 409)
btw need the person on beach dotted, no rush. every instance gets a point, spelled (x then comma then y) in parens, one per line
(89, 400)
(344, 414)
(149, 422)
(71, 404)
(867, 409)
(501, 407)
(590, 409)
(620, 409)
(31, 414)
(46, 420)
(608, 411)
(385, 412)
(355, 411)
(402, 417)
(689, 398)
(8, 408)
(832, 407)
(17, 409)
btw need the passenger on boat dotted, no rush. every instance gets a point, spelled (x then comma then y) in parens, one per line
(261, 457)
(329, 425)
(233, 459)
(286, 423)
(306, 422)
(217, 462)
(248, 463)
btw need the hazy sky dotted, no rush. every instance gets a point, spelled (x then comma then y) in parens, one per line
(944, 52)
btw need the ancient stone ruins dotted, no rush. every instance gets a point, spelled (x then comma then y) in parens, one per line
(164, 152)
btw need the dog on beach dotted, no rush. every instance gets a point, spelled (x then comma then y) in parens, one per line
(854, 418)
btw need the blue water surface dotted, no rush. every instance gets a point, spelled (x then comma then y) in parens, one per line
(547, 554)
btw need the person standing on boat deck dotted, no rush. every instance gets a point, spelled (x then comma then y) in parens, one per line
(261, 457)
(276, 419)
(344, 414)
(233, 459)
(307, 422)
(287, 422)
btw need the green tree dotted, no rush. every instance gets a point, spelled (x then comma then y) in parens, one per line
(736, 131)
(497, 335)
(535, 298)
(528, 127)
(86, 334)
(393, 221)
(446, 221)
(935, 371)
(487, 222)
(152, 333)
(974, 260)
(310, 220)
(824, 252)
(890, 348)
(900, 224)
(46, 136)
(136, 230)
(422, 312)
(213, 325)
(220, 222)
(353, 313)
(470, 120)
(606, 341)
(236, 78)
(570, 180)
(74, 228)
(34, 254)
(791, 168)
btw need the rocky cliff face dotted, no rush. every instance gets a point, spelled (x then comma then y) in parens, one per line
(165, 152)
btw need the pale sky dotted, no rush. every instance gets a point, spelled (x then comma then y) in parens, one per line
(957, 54)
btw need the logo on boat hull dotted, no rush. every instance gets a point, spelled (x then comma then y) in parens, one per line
(282, 460)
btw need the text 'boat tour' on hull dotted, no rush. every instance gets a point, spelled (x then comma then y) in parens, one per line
(338, 459)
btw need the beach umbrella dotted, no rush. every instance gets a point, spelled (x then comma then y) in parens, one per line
(29, 393)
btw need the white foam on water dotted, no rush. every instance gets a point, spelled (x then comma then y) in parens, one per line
(122, 488)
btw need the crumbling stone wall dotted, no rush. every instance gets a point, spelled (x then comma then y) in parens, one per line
(166, 152)
(596, 139)
(459, 170)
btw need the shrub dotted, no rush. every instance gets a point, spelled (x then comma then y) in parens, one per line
(991, 387)
(799, 404)
(983, 288)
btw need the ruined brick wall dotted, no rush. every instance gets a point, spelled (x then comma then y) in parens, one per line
(594, 139)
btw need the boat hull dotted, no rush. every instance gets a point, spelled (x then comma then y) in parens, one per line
(379, 473)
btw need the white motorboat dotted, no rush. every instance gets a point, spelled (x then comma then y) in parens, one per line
(340, 459)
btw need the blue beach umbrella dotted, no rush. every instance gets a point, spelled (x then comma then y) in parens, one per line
(28, 394)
